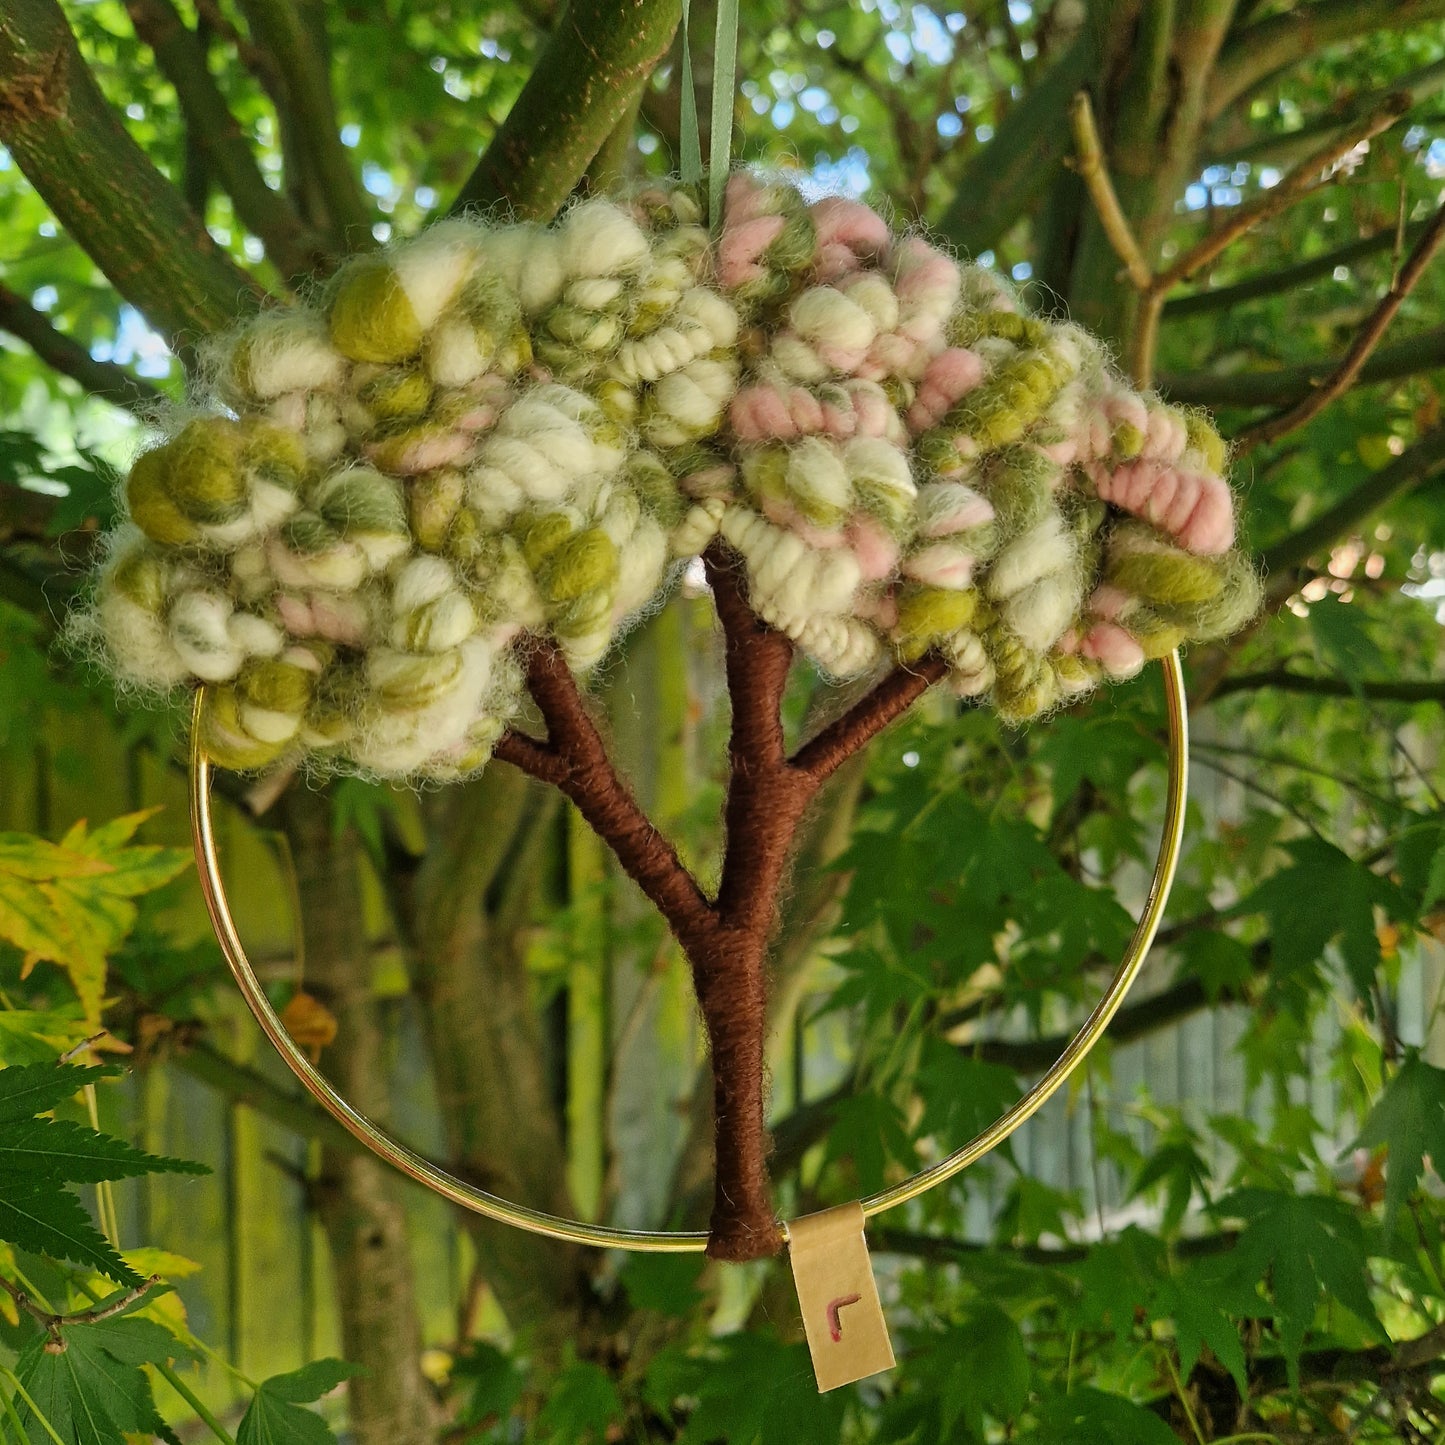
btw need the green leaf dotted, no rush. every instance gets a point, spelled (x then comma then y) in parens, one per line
(581, 1405)
(1435, 882)
(39, 1036)
(497, 1383)
(991, 1374)
(1301, 929)
(1343, 641)
(57, 1149)
(1205, 1302)
(1220, 962)
(752, 1390)
(666, 1283)
(1306, 1246)
(868, 1131)
(1408, 1121)
(94, 1392)
(962, 1095)
(70, 903)
(1087, 1416)
(30, 1089)
(46, 1219)
(22, 855)
(275, 1415)
(1178, 1165)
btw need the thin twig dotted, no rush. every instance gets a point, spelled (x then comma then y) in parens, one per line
(1367, 339)
(1304, 178)
(1094, 173)
(53, 1323)
(81, 1047)
(70, 358)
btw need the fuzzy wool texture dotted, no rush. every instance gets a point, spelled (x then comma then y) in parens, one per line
(494, 430)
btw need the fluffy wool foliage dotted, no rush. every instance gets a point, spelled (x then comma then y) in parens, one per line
(492, 431)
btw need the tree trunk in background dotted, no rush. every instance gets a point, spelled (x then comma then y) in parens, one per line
(1153, 66)
(472, 901)
(654, 1031)
(358, 1196)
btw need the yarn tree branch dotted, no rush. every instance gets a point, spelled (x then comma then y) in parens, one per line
(102, 187)
(1361, 349)
(726, 939)
(64, 354)
(294, 247)
(590, 74)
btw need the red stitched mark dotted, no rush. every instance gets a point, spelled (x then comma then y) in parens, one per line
(835, 1325)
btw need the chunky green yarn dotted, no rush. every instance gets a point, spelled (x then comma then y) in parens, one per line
(492, 431)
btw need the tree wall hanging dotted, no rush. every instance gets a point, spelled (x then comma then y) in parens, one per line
(400, 525)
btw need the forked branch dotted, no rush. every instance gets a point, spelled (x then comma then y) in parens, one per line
(726, 939)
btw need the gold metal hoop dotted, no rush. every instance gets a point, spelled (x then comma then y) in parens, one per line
(575, 1231)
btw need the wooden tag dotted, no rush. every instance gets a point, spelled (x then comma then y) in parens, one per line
(847, 1333)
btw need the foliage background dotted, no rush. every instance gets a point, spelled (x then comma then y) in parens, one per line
(1230, 1230)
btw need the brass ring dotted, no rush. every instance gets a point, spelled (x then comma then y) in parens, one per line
(576, 1231)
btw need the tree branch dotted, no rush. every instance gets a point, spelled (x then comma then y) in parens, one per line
(1258, 51)
(52, 1324)
(575, 761)
(1281, 680)
(593, 67)
(279, 27)
(1361, 349)
(1304, 178)
(1286, 384)
(294, 247)
(1009, 175)
(1422, 461)
(244, 1085)
(1241, 141)
(1271, 283)
(62, 353)
(887, 702)
(101, 186)
(1094, 172)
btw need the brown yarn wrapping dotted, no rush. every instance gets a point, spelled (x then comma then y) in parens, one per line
(725, 939)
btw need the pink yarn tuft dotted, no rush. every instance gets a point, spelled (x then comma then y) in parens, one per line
(941, 565)
(850, 235)
(950, 375)
(767, 413)
(336, 617)
(425, 454)
(781, 413)
(740, 246)
(1195, 508)
(927, 284)
(1167, 436)
(875, 548)
(1109, 645)
(1108, 602)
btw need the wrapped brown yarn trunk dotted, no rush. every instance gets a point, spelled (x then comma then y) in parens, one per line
(726, 939)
